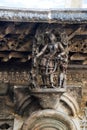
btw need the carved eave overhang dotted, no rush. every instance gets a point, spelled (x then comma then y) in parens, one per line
(48, 16)
(18, 28)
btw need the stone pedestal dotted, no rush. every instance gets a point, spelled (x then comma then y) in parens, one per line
(48, 98)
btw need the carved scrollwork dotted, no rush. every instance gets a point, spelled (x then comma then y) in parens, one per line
(78, 45)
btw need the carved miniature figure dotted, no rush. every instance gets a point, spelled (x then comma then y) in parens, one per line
(62, 75)
(57, 57)
(48, 63)
(36, 53)
(54, 47)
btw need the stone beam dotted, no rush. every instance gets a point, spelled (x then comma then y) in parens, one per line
(48, 16)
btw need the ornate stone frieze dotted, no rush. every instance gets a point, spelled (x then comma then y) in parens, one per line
(78, 45)
(77, 77)
(23, 77)
(15, 77)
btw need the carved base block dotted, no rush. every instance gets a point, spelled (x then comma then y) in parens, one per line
(48, 98)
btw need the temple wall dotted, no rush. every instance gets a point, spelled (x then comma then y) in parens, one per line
(40, 89)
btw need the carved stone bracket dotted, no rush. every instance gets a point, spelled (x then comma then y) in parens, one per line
(48, 98)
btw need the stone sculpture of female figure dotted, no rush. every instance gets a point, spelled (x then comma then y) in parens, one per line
(51, 55)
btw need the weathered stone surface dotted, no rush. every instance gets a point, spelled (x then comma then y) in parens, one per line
(48, 98)
(3, 88)
(49, 119)
(49, 16)
(17, 31)
(6, 124)
(18, 122)
(5, 112)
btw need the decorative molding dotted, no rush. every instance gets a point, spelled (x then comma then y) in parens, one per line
(77, 77)
(49, 119)
(56, 16)
(23, 77)
(78, 45)
(15, 77)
